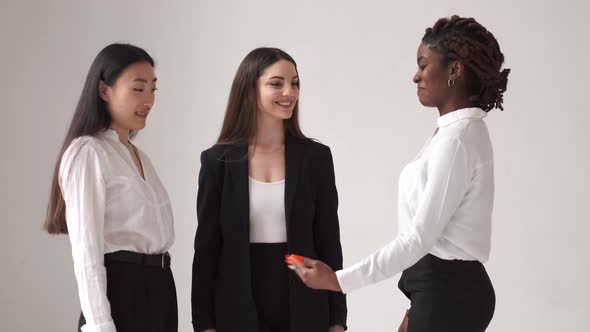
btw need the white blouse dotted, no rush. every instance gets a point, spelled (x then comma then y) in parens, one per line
(267, 212)
(444, 203)
(109, 207)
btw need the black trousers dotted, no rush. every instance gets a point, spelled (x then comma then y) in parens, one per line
(270, 285)
(142, 298)
(448, 295)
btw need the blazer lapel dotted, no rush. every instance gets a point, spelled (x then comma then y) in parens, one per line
(293, 155)
(238, 162)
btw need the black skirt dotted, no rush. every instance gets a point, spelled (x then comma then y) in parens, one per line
(270, 285)
(142, 298)
(448, 295)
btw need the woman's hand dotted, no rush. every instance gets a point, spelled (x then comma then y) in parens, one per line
(404, 325)
(336, 328)
(315, 274)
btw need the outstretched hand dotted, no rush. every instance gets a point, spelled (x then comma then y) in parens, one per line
(313, 273)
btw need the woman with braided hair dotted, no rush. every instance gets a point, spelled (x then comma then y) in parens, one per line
(445, 193)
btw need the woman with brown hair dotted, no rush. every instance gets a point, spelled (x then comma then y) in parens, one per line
(108, 198)
(264, 190)
(445, 194)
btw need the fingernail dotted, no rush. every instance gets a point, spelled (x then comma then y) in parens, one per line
(297, 258)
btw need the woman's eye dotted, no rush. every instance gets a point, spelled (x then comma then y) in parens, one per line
(276, 84)
(138, 90)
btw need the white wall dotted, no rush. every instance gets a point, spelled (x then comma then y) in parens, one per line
(356, 61)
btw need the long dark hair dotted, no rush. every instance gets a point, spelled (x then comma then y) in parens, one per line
(239, 123)
(91, 117)
(465, 40)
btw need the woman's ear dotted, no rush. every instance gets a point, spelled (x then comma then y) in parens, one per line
(103, 91)
(456, 69)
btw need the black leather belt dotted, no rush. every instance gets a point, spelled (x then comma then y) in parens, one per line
(161, 260)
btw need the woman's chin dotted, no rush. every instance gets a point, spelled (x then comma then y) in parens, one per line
(284, 115)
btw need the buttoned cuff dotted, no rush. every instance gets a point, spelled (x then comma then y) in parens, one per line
(349, 279)
(102, 327)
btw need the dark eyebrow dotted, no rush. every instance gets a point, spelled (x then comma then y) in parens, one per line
(422, 58)
(282, 78)
(143, 80)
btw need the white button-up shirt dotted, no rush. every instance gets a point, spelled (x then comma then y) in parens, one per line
(445, 202)
(109, 207)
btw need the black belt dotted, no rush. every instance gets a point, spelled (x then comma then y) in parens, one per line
(160, 260)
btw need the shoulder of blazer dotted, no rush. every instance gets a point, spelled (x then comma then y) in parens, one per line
(315, 150)
(223, 153)
(319, 165)
(214, 159)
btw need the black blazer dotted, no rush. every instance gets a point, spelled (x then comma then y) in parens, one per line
(221, 285)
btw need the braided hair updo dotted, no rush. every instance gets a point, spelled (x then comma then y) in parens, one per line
(465, 40)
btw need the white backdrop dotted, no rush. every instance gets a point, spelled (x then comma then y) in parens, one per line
(356, 61)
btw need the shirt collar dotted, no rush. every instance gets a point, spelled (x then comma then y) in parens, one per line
(460, 114)
(110, 134)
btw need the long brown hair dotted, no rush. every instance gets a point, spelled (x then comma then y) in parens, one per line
(90, 117)
(239, 123)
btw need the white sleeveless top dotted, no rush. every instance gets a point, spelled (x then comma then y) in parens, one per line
(267, 212)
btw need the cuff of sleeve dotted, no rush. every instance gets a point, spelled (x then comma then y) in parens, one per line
(202, 327)
(349, 279)
(341, 324)
(338, 319)
(102, 327)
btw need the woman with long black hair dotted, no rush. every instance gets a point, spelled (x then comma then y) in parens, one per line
(107, 197)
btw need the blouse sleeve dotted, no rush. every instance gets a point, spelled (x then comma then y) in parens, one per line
(84, 192)
(448, 178)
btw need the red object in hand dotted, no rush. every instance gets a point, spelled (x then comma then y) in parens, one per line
(291, 257)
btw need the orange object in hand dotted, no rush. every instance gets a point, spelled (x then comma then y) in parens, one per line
(291, 257)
